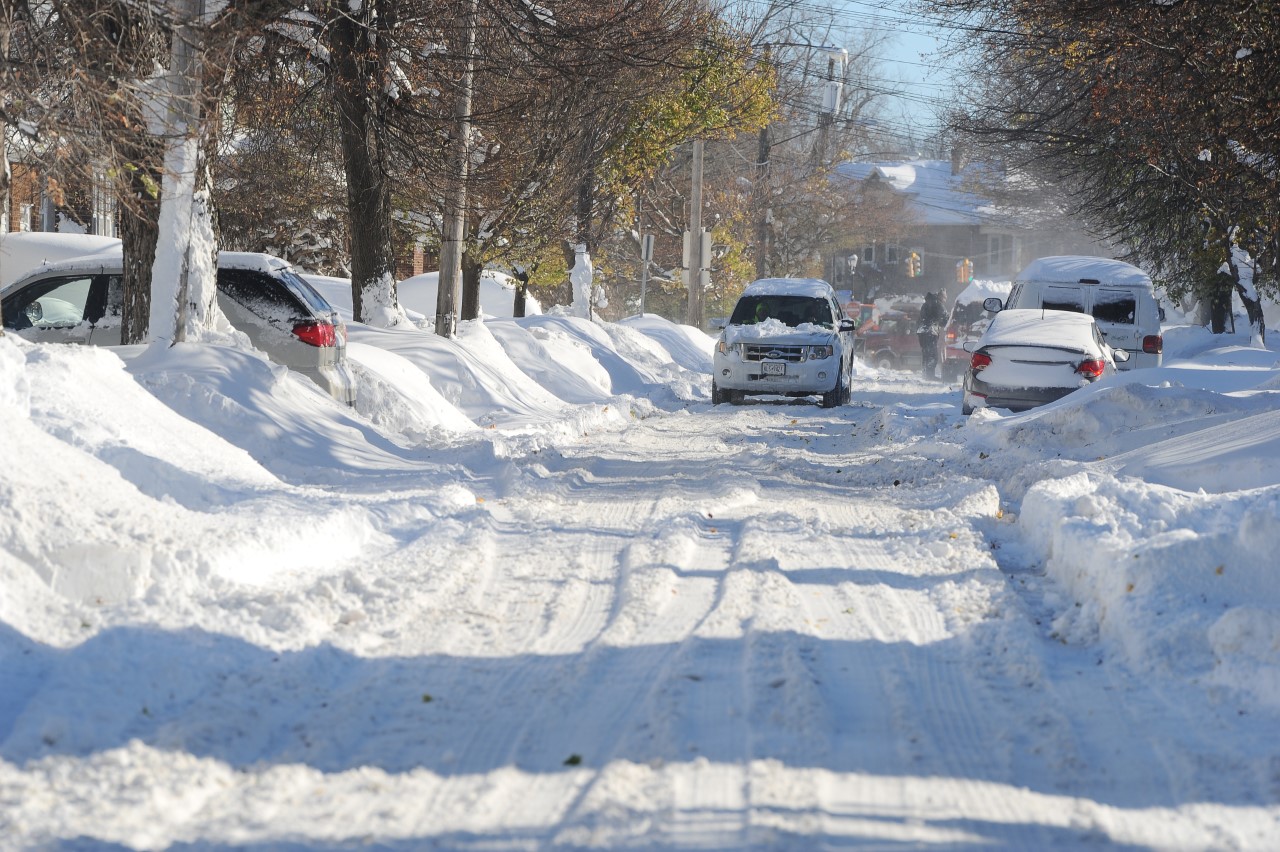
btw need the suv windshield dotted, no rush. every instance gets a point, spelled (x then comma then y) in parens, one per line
(791, 310)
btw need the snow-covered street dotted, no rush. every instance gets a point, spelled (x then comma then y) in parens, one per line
(759, 626)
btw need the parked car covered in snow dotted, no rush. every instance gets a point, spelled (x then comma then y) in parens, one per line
(787, 337)
(1027, 358)
(966, 322)
(81, 300)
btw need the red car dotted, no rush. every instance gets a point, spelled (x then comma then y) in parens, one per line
(891, 343)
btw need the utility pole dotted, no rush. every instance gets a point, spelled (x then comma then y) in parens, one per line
(832, 93)
(455, 222)
(696, 261)
(764, 212)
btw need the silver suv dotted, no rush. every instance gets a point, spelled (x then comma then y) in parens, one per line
(81, 301)
(786, 337)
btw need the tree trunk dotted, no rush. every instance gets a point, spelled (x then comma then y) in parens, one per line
(357, 74)
(1220, 305)
(139, 231)
(139, 198)
(520, 305)
(471, 269)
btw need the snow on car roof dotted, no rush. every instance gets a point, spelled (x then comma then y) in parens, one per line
(1073, 268)
(111, 258)
(1023, 326)
(26, 251)
(251, 260)
(813, 287)
(980, 290)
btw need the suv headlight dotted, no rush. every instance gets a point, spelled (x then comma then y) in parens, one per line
(817, 353)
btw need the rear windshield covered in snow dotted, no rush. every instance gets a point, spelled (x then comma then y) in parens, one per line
(281, 295)
(261, 293)
(791, 310)
(1115, 306)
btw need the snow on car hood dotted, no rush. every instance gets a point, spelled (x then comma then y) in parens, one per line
(776, 329)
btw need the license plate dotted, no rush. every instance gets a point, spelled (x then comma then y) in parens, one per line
(771, 369)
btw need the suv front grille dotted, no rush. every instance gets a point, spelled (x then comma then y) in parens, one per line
(766, 352)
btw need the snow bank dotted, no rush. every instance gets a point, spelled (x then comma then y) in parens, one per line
(1177, 583)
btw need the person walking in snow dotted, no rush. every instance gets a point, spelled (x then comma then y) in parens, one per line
(932, 318)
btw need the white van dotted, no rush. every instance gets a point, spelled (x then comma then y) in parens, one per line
(1118, 295)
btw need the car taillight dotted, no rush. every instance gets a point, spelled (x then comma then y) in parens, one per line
(316, 333)
(1092, 368)
(951, 335)
(1153, 344)
(979, 361)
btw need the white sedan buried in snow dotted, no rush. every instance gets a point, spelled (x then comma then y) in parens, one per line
(1027, 358)
(786, 337)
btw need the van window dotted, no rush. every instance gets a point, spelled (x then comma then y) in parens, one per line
(1063, 299)
(1115, 306)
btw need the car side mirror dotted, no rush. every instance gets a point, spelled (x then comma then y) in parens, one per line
(718, 323)
(1160, 309)
(848, 325)
(34, 312)
(1120, 355)
(992, 305)
(969, 346)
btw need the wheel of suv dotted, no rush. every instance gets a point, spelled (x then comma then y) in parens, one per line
(717, 395)
(838, 395)
(885, 361)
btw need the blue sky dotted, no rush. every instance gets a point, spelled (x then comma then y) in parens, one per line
(911, 63)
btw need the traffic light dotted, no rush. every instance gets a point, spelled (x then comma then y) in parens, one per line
(913, 265)
(964, 271)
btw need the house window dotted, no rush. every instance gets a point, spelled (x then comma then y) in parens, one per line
(24, 217)
(890, 255)
(1000, 252)
(868, 254)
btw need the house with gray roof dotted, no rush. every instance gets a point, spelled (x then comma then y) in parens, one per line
(956, 232)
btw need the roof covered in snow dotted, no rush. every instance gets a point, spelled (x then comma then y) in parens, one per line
(936, 196)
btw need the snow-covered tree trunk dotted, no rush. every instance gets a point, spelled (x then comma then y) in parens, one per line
(580, 277)
(1241, 268)
(183, 277)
